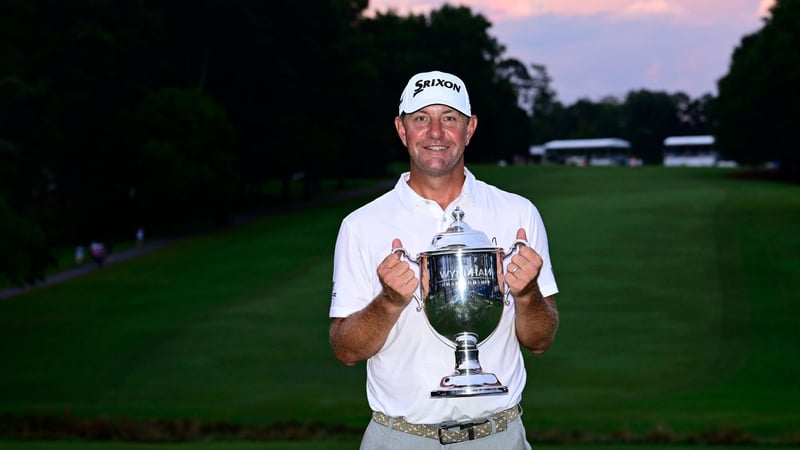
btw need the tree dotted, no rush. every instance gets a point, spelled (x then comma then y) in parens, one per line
(183, 164)
(648, 118)
(460, 39)
(24, 253)
(587, 119)
(696, 116)
(758, 105)
(451, 39)
(547, 114)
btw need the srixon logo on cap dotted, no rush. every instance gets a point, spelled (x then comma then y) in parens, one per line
(436, 82)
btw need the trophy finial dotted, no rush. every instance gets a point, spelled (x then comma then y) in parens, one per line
(458, 214)
(460, 235)
(458, 224)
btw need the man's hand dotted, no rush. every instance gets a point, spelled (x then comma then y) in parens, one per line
(397, 278)
(522, 271)
(536, 319)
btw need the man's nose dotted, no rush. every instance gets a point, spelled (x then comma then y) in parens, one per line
(435, 129)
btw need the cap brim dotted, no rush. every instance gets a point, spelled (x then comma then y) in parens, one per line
(436, 101)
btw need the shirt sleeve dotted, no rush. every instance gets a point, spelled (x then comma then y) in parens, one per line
(538, 241)
(353, 276)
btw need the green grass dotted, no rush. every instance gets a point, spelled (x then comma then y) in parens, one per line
(677, 287)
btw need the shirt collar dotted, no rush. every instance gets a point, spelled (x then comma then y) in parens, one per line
(411, 200)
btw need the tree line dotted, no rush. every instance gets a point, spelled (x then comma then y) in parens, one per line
(118, 113)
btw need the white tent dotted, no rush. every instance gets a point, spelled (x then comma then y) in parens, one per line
(593, 152)
(586, 143)
(690, 151)
(689, 140)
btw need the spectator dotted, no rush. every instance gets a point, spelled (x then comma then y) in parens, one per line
(139, 236)
(98, 253)
(79, 255)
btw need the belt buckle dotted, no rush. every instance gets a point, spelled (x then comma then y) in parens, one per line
(446, 426)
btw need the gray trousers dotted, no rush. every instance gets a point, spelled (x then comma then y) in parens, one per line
(379, 437)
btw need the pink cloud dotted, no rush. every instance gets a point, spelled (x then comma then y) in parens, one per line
(653, 7)
(764, 6)
(593, 49)
(507, 9)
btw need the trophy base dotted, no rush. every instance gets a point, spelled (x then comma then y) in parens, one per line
(469, 385)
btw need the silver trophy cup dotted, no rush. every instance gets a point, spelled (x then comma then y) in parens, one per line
(463, 302)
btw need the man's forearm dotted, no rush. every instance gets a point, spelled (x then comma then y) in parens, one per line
(360, 335)
(536, 321)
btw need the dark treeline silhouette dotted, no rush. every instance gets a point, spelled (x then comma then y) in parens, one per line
(758, 106)
(116, 113)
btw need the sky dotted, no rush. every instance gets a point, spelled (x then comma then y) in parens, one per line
(598, 48)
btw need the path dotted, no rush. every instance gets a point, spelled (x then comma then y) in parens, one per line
(150, 245)
(87, 267)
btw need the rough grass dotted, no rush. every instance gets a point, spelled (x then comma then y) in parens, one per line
(677, 287)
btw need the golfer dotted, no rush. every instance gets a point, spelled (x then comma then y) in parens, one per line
(373, 317)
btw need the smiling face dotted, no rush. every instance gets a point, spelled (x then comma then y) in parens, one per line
(436, 137)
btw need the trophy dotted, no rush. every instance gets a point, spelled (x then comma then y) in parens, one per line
(463, 302)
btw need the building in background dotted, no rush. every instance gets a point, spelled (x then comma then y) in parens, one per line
(588, 152)
(690, 151)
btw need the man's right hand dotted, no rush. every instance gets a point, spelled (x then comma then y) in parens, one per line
(399, 281)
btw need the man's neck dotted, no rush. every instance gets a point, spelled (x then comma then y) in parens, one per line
(442, 189)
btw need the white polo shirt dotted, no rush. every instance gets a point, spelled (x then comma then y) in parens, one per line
(412, 361)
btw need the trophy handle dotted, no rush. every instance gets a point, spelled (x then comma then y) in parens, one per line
(514, 247)
(508, 254)
(404, 253)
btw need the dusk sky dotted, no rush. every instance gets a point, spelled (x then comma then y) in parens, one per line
(594, 49)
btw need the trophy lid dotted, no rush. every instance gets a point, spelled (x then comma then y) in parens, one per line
(460, 235)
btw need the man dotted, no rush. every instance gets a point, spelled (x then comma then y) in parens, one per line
(373, 316)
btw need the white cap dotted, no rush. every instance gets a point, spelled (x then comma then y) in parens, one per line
(431, 88)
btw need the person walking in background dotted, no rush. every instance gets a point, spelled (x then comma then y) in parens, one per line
(139, 236)
(98, 253)
(372, 317)
(80, 255)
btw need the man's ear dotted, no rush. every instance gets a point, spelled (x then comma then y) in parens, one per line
(401, 129)
(471, 126)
